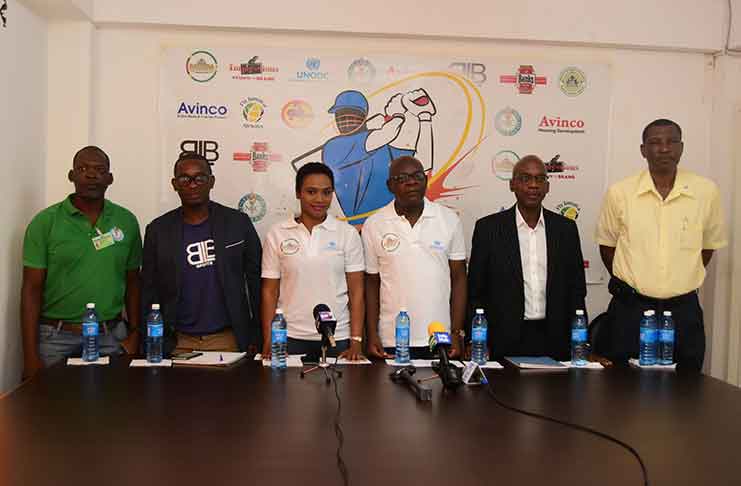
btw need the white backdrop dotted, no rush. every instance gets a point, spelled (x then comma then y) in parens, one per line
(253, 113)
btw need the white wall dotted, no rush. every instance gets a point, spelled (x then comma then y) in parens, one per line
(23, 78)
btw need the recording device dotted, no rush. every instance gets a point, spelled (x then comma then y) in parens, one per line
(325, 324)
(440, 343)
(403, 376)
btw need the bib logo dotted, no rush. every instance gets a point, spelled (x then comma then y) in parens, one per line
(198, 110)
(390, 242)
(525, 79)
(475, 71)
(569, 209)
(508, 122)
(201, 66)
(253, 110)
(201, 254)
(572, 81)
(297, 114)
(254, 206)
(207, 148)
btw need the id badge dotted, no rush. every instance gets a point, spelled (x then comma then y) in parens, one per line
(103, 241)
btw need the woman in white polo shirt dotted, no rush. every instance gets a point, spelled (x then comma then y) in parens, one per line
(309, 260)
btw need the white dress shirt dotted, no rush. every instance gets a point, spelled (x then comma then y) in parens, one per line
(534, 258)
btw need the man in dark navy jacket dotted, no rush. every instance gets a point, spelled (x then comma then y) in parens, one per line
(202, 265)
(527, 271)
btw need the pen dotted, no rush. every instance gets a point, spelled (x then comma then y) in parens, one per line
(221, 357)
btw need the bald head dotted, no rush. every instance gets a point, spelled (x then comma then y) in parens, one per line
(526, 161)
(91, 152)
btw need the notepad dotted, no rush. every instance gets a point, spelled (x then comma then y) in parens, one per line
(592, 365)
(143, 363)
(543, 363)
(212, 358)
(102, 361)
(490, 365)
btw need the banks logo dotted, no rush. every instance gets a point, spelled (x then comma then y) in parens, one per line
(253, 70)
(312, 73)
(508, 122)
(502, 164)
(260, 157)
(254, 206)
(197, 110)
(253, 110)
(207, 148)
(201, 66)
(558, 125)
(569, 209)
(297, 114)
(475, 71)
(361, 71)
(572, 81)
(558, 168)
(524, 79)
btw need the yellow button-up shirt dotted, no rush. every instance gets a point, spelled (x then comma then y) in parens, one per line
(657, 242)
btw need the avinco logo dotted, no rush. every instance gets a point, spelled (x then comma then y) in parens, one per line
(561, 125)
(197, 110)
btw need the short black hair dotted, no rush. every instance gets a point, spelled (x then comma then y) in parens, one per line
(313, 168)
(92, 149)
(661, 122)
(191, 156)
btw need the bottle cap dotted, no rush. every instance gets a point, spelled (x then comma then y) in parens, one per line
(279, 311)
(90, 305)
(403, 308)
(579, 312)
(668, 313)
(479, 311)
(155, 307)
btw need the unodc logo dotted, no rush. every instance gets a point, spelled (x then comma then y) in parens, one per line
(313, 63)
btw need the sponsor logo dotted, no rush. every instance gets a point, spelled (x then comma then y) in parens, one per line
(475, 71)
(3, 15)
(201, 254)
(201, 66)
(207, 148)
(524, 79)
(586, 264)
(508, 122)
(502, 164)
(395, 71)
(117, 234)
(557, 125)
(253, 110)
(259, 157)
(390, 242)
(197, 110)
(361, 71)
(312, 73)
(572, 81)
(569, 209)
(289, 246)
(297, 114)
(253, 70)
(254, 206)
(558, 168)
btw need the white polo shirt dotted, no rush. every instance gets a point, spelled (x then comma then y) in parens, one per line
(414, 266)
(311, 268)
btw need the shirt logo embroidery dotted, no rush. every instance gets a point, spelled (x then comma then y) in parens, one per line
(390, 242)
(117, 233)
(201, 254)
(289, 246)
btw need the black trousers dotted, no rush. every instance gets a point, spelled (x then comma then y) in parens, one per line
(625, 313)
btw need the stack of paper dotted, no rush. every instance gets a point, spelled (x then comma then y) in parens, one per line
(543, 363)
(212, 358)
(103, 360)
(636, 364)
(592, 365)
(143, 363)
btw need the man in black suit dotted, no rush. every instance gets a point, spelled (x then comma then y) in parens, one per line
(526, 271)
(202, 265)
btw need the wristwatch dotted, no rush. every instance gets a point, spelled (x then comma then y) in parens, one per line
(358, 339)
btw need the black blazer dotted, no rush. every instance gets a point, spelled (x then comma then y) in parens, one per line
(495, 280)
(238, 259)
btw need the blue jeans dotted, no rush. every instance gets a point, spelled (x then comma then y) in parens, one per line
(57, 345)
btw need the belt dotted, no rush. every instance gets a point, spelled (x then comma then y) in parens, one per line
(76, 327)
(622, 290)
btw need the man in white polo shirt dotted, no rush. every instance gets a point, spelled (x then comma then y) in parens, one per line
(415, 257)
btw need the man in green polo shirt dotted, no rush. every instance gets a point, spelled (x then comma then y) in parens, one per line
(83, 249)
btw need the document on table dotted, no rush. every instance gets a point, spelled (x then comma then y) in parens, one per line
(535, 363)
(143, 363)
(421, 363)
(103, 360)
(636, 364)
(592, 365)
(212, 358)
(292, 360)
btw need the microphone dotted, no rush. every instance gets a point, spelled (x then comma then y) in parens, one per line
(439, 343)
(325, 324)
(403, 376)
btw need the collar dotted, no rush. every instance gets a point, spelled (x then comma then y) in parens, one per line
(70, 208)
(329, 223)
(681, 184)
(520, 221)
(429, 211)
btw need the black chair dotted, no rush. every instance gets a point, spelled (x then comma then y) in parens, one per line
(599, 335)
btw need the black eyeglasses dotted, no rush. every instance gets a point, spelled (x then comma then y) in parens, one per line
(185, 180)
(402, 178)
(527, 178)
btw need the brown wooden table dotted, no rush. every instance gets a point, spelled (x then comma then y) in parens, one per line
(115, 425)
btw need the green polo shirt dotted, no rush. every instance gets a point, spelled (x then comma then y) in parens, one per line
(61, 240)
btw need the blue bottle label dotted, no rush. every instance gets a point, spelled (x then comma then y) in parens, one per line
(280, 336)
(89, 329)
(648, 336)
(666, 335)
(478, 334)
(402, 334)
(579, 335)
(155, 330)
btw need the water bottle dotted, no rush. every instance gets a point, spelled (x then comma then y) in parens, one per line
(402, 336)
(579, 348)
(155, 331)
(90, 331)
(647, 356)
(479, 327)
(278, 340)
(666, 339)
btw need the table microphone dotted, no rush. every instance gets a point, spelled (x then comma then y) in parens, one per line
(440, 343)
(403, 376)
(325, 323)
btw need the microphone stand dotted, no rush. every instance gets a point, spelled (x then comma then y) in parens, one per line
(329, 370)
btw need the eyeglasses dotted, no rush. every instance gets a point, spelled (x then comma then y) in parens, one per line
(418, 176)
(185, 180)
(527, 178)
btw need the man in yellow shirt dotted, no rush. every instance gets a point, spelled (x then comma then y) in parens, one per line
(657, 232)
